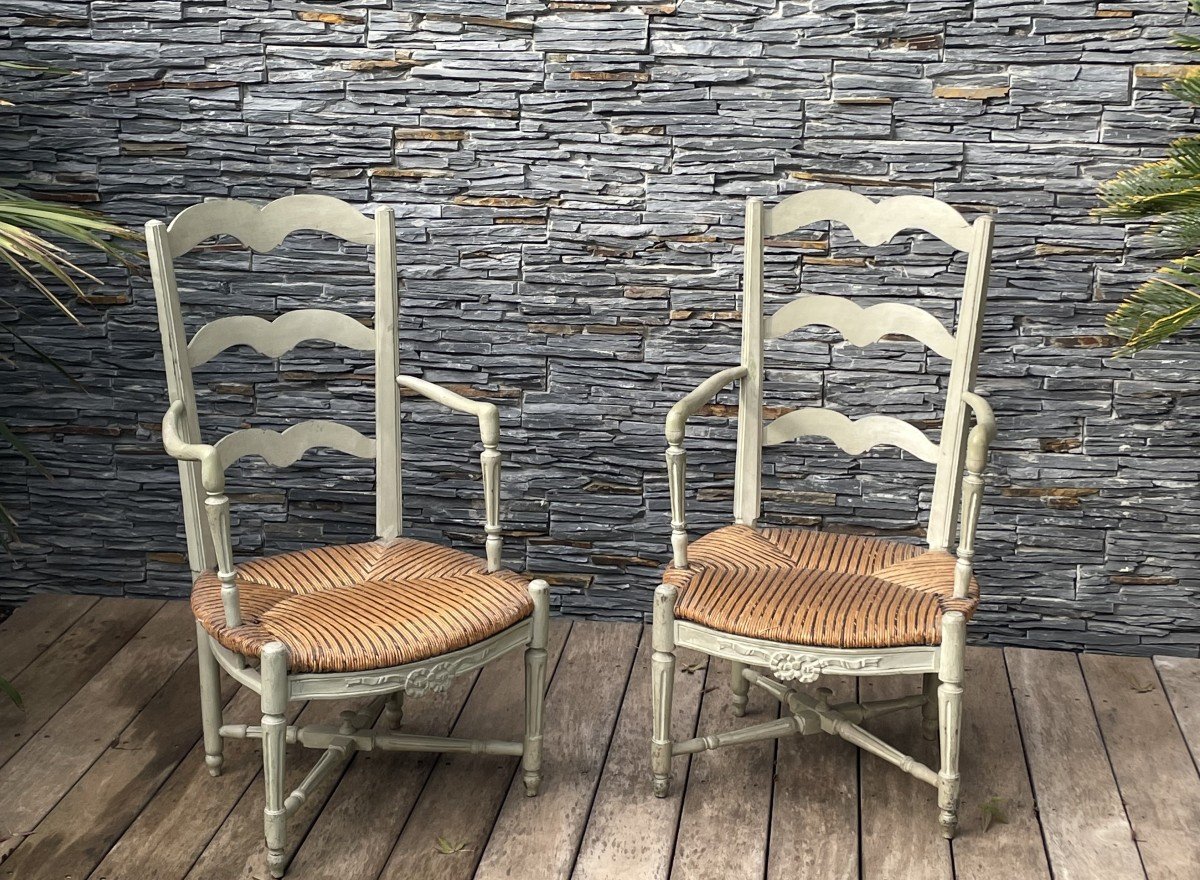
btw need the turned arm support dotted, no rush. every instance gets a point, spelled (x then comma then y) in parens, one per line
(978, 443)
(216, 502)
(489, 432)
(677, 459)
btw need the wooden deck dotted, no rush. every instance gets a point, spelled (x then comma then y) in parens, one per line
(1090, 760)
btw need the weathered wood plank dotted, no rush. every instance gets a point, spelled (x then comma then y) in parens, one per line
(727, 802)
(35, 626)
(1181, 679)
(354, 837)
(1155, 774)
(814, 820)
(539, 837)
(56, 676)
(1087, 833)
(900, 832)
(77, 833)
(48, 765)
(992, 764)
(630, 833)
(172, 830)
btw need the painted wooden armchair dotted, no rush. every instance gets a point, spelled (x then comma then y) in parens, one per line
(382, 619)
(800, 603)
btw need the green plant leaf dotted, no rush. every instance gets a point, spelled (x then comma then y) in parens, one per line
(18, 444)
(993, 811)
(43, 357)
(1161, 307)
(448, 847)
(12, 693)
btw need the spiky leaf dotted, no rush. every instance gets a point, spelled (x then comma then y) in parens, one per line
(1161, 307)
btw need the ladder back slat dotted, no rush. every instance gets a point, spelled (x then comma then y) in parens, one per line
(264, 228)
(862, 326)
(872, 223)
(282, 448)
(277, 337)
(853, 436)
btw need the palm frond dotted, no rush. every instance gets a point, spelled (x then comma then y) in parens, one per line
(1165, 304)
(1186, 88)
(1149, 189)
(34, 257)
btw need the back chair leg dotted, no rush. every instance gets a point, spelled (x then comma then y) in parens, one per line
(210, 703)
(393, 710)
(741, 689)
(273, 671)
(662, 671)
(950, 710)
(929, 712)
(535, 688)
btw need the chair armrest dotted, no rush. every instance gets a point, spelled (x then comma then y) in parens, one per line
(216, 505)
(488, 415)
(698, 397)
(212, 475)
(677, 459)
(489, 459)
(981, 436)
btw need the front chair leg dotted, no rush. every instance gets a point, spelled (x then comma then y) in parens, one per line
(210, 702)
(950, 710)
(662, 671)
(273, 672)
(535, 688)
(741, 689)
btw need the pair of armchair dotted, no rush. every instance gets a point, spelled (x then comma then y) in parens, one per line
(398, 616)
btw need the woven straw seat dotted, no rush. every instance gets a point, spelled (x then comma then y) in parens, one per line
(358, 607)
(817, 589)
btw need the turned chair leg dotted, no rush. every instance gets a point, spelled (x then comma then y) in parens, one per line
(393, 710)
(273, 671)
(741, 689)
(929, 712)
(535, 688)
(210, 703)
(662, 670)
(950, 709)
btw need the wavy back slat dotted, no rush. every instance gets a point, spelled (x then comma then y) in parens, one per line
(264, 228)
(854, 436)
(862, 326)
(873, 223)
(278, 337)
(283, 448)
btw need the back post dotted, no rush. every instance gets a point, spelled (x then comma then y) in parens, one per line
(944, 508)
(748, 473)
(201, 555)
(389, 501)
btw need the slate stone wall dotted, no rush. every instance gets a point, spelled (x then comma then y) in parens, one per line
(569, 179)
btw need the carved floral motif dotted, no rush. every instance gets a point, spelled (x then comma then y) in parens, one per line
(806, 668)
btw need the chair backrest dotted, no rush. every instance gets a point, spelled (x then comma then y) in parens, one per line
(262, 229)
(872, 223)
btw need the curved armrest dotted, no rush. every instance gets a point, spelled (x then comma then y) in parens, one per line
(702, 394)
(981, 436)
(488, 415)
(489, 459)
(212, 475)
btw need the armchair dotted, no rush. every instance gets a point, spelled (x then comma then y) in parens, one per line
(380, 619)
(789, 605)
